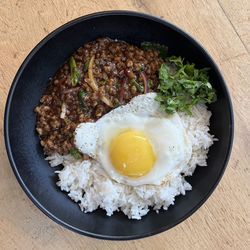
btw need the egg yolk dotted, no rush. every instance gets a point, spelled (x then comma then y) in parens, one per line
(131, 154)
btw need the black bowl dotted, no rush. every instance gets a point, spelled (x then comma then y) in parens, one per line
(26, 156)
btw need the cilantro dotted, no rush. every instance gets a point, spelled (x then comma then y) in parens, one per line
(81, 97)
(82, 94)
(75, 153)
(181, 86)
(162, 49)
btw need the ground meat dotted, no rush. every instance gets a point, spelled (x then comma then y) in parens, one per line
(117, 70)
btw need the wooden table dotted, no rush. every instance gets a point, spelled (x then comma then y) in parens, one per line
(223, 27)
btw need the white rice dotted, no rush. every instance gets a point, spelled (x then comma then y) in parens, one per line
(88, 184)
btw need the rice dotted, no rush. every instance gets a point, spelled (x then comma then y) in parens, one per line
(88, 184)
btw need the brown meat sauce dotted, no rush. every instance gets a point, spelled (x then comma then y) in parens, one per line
(119, 71)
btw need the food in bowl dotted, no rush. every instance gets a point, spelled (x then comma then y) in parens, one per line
(128, 124)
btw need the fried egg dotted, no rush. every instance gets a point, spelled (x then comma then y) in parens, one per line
(137, 143)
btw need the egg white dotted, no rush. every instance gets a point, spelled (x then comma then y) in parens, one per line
(165, 132)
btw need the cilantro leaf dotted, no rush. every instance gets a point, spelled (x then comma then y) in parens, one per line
(75, 153)
(181, 86)
(81, 96)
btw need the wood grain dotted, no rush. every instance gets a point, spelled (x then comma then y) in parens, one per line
(223, 29)
(238, 14)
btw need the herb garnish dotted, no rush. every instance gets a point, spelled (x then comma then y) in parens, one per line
(75, 153)
(181, 86)
(74, 72)
(162, 49)
(81, 96)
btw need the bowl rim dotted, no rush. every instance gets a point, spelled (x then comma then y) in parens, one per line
(16, 80)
